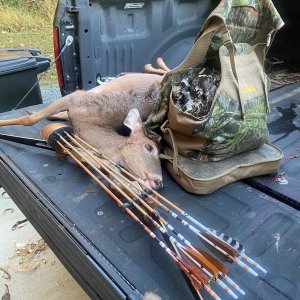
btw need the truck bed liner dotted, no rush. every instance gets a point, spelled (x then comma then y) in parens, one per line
(284, 128)
(109, 254)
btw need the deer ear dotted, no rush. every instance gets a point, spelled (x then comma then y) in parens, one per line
(133, 119)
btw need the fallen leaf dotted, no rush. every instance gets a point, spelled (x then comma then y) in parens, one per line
(8, 210)
(19, 224)
(28, 256)
(5, 274)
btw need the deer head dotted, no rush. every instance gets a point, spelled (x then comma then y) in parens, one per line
(140, 155)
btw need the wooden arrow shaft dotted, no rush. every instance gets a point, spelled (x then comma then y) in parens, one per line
(192, 274)
(209, 237)
(212, 267)
(205, 263)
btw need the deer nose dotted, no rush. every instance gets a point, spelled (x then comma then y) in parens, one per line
(158, 184)
(153, 182)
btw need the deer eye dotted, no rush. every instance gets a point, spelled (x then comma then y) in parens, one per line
(148, 147)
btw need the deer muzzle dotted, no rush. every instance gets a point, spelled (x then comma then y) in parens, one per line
(153, 181)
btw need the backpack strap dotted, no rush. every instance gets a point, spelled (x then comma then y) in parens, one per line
(217, 22)
(228, 43)
(174, 158)
(264, 45)
(199, 50)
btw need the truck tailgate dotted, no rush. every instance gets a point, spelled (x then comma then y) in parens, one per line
(109, 254)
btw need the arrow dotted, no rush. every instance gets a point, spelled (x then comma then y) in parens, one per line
(199, 266)
(196, 275)
(206, 266)
(226, 245)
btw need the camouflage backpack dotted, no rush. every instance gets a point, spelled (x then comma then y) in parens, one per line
(230, 118)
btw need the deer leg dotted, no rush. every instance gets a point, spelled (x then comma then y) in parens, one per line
(161, 64)
(62, 116)
(161, 70)
(149, 69)
(25, 121)
(60, 105)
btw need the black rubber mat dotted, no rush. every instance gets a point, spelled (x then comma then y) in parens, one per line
(112, 257)
(284, 128)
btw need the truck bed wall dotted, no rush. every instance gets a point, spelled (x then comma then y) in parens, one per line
(111, 37)
(286, 45)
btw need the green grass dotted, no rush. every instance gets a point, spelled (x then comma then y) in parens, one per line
(28, 24)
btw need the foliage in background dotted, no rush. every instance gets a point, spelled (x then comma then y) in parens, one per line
(28, 24)
(16, 15)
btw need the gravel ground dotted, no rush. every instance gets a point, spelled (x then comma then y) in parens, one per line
(42, 276)
(26, 271)
(50, 93)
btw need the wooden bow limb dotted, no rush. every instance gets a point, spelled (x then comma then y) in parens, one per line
(208, 236)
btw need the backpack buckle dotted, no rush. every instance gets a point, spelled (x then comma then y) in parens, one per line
(227, 40)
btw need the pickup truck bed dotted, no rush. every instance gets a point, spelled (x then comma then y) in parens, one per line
(111, 256)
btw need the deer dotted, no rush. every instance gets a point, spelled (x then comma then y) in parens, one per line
(98, 116)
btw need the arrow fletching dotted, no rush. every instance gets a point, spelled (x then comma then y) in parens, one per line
(198, 265)
(223, 269)
(200, 275)
(221, 244)
(201, 260)
(228, 240)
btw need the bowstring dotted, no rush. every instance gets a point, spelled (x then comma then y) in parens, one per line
(68, 42)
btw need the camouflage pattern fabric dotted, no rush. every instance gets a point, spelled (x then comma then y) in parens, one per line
(249, 21)
(245, 19)
(223, 129)
(159, 114)
(226, 134)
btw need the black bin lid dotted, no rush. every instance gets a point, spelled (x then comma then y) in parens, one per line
(17, 64)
